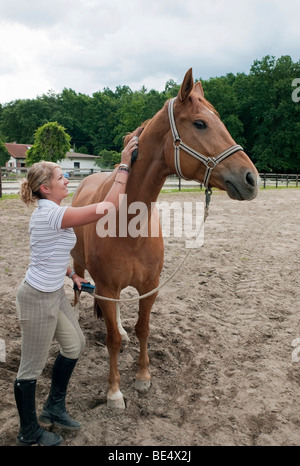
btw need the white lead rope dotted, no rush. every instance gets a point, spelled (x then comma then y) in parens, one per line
(155, 290)
(210, 163)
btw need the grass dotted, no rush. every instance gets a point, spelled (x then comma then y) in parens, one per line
(280, 187)
(9, 196)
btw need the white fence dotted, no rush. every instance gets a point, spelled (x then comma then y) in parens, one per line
(10, 180)
(279, 180)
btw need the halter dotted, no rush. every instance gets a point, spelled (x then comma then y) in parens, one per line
(209, 162)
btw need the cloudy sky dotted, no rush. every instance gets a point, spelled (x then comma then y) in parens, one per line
(87, 45)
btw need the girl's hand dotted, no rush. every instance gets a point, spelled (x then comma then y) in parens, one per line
(127, 151)
(78, 280)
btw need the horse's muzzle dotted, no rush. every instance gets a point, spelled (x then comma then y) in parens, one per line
(242, 189)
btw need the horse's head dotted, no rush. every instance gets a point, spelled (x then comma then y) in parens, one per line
(203, 148)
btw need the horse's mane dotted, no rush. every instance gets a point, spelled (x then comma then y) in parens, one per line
(137, 132)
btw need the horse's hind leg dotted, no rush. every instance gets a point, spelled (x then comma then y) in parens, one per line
(142, 328)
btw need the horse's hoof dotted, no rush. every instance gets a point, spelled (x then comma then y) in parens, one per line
(116, 404)
(116, 401)
(142, 386)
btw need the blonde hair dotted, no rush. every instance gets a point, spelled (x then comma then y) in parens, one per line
(39, 173)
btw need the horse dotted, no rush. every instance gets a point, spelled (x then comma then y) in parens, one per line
(117, 261)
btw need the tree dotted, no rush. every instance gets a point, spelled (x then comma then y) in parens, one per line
(4, 155)
(275, 117)
(20, 119)
(221, 94)
(171, 89)
(74, 114)
(51, 144)
(109, 158)
(101, 120)
(133, 109)
(257, 108)
(130, 115)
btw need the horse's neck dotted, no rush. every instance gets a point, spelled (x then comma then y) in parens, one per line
(150, 170)
(145, 185)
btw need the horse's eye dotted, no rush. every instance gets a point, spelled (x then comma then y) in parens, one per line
(199, 124)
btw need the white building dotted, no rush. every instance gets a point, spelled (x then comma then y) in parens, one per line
(17, 154)
(79, 163)
(74, 163)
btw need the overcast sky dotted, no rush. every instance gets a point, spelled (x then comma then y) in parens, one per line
(87, 45)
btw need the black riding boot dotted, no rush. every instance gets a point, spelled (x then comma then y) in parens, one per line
(30, 431)
(54, 410)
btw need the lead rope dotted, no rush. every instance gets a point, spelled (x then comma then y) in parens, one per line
(208, 193)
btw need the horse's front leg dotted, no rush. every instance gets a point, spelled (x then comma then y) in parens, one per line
(142, 328)
(113, 341)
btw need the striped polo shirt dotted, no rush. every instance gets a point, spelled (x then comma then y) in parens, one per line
(50, 247)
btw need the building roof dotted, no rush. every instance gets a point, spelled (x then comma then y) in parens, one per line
(18, 151)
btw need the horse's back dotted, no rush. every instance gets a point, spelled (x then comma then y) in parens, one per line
(92, 189)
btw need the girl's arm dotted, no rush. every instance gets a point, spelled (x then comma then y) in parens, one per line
(77, 216)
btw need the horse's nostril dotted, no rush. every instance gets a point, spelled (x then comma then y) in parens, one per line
(250, 179)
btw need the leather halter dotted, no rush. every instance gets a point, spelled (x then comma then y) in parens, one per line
(209, 162)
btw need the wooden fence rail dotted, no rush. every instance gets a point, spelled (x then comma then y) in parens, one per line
(277, 179)
(10, 179)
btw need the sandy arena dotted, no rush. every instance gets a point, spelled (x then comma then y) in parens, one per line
(223, 365)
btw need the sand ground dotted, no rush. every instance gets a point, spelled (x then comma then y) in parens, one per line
(223, 365)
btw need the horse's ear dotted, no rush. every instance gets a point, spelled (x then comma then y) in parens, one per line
(186, 86)
(198, 88)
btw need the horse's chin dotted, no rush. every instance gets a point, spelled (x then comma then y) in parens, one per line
(240, 193)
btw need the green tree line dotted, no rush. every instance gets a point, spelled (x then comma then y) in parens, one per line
(260, 109)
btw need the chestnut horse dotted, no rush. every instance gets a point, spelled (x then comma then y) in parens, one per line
(117, 262)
